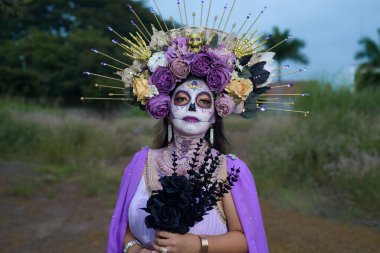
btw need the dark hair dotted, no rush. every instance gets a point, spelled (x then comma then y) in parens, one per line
(220, 141)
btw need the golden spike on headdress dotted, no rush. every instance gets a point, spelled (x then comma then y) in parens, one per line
(215, 19)
(155, 16)
(193, 18)
(248, 39)
(269, 99)
(289, 73)
(138, 18)
(244, 48)
(163, 20)
(233, 27)
(180, 13)
(200, 24)
(245, 21)
(287, 110)
(282, 67)
(108, 77)
(281, 86)
(254, 22)
(261, 43)
(91, 98)
(295, 94)
(172, 20)
(184, 9)
(278, 44)
(113, 94)
(137, 50)
(229, 15)
(208, 14)
(138, 28)
(108, 86)
(98, 52)
(109, 65)
(224, 12)
(282, 103)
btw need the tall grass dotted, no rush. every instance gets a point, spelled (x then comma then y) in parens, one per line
(329, 159)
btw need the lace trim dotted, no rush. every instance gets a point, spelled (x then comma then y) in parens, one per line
(150, 186)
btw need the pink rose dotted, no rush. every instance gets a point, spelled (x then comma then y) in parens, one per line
(180, 68)
(224, 105)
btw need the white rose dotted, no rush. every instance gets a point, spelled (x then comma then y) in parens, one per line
(157, 60)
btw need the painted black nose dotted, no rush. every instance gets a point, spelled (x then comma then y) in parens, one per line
(192, 107)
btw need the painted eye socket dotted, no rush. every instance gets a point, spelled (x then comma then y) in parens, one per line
(181, 98)
(204, 100)
(191, 40)
(198, 39)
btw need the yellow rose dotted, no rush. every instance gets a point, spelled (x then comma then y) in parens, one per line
(141, 88)
(239, 88)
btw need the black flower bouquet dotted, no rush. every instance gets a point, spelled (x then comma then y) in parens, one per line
(184, 200)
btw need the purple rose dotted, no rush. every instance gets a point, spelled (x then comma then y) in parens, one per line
(158, 106)
(222, 56)
(180, 68)
(177, 48)
(224, 105)
(163, 79)
(201, 64)
(218, 78)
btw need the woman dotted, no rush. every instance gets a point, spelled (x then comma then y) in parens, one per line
(235, 225)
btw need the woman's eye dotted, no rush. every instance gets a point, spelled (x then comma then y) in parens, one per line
(204, 101)
(181, 100)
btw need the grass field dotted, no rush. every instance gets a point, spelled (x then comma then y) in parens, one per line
(326, 164)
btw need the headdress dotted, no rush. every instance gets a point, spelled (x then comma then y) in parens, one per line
(236, 65)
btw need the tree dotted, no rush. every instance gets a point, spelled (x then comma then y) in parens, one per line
(290, 50)
(13, 8)
(368, 72)
(43, 53)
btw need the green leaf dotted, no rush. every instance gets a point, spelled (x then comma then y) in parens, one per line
(245, 74)
(214, 41)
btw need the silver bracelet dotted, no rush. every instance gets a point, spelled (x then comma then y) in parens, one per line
(130, 244)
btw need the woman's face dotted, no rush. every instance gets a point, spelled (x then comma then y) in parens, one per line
(192, 108)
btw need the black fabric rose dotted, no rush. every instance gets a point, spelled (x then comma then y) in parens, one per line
(184, 200)
(162, 216)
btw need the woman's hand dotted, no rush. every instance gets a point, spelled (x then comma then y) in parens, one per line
(176, 243)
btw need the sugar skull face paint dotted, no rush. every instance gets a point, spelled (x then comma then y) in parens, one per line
(192, 108)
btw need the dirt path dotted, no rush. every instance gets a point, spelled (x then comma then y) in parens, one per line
(73, 223)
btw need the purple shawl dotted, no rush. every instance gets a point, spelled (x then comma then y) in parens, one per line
(244, 194)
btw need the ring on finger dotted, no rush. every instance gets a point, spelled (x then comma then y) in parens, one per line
(164, 250)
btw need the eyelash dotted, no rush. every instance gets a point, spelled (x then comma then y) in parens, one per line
(180, 99)
(205, 101)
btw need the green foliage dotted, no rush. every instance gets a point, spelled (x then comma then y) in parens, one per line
(368, 73)
(44, 53)
(327, 161)
(336, 149)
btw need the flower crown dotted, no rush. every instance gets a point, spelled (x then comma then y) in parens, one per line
(237, 69)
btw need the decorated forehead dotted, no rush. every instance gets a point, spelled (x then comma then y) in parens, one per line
(193, 88)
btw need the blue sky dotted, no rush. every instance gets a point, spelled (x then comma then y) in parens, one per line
(330, 28)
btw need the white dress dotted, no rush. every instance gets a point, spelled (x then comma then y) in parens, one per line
(214, 223)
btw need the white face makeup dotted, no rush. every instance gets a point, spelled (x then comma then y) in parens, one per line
(192, 108)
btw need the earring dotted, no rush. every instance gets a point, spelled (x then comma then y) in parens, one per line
(212, 135)
(170, 132)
